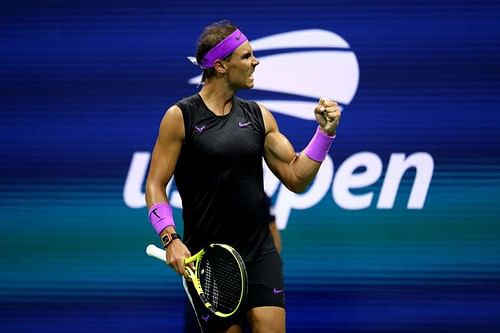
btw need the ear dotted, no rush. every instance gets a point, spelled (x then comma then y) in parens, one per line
(220, 66)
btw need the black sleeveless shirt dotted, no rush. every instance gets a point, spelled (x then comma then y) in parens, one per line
(220, 179)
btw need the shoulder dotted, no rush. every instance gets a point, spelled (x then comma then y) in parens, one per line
(270, 123)
(246, 104)
(173, 113)
(172, 122)
(187, 102)
(253, 107)
(184, 110)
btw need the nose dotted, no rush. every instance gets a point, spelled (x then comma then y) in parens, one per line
(255, 61)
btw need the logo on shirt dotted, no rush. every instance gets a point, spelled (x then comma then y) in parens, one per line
(277, 291)
(199, 129)
(243, 125)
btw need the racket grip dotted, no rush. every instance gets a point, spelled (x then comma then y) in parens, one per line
(155, 252)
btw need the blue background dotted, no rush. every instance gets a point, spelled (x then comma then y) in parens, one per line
(84, 84)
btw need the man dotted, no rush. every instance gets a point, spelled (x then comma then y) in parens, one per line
(213, 142)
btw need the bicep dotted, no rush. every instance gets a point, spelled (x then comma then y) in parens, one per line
(278, 151)
(165, 154)
(294, 170)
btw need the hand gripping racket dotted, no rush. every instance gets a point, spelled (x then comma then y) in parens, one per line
(219, 277)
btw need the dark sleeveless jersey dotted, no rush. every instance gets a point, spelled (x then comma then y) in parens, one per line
(220, 179)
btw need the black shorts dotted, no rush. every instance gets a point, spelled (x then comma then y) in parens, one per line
(265, 288)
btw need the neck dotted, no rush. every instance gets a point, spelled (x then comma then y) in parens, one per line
(217, 96)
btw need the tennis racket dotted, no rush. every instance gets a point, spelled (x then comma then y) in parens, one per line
(219, 277)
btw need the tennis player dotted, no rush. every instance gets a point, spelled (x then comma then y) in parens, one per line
(213, 143)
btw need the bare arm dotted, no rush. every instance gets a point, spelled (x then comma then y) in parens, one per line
(296, 171)
(163, 161)
(165, 154)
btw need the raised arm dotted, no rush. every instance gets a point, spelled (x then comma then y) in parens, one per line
(296, 171)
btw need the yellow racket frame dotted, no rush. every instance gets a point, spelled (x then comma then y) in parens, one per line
(193, 275)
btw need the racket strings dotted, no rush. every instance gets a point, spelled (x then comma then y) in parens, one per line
(221, 281)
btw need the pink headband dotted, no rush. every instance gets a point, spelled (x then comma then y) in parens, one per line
(223, 49)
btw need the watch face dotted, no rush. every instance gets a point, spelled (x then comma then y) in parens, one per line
(168, 238)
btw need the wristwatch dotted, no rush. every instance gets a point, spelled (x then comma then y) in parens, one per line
(168, 238)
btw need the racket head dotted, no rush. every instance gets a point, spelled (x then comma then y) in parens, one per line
(222, 279)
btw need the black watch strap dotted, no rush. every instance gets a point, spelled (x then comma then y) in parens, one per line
(168, 238)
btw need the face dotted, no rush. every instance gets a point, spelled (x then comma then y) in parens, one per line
(240, 67)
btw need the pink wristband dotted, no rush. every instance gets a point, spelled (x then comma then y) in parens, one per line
(160, 216)
(318, 147)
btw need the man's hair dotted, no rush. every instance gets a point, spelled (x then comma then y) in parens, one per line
(211, 36)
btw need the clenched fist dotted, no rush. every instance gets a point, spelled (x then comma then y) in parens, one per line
(327, 114)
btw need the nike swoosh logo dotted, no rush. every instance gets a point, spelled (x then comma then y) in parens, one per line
(205, 317)
(243, 125)
(199, 129)
(238, 37)
(154, 212)
(277, 291)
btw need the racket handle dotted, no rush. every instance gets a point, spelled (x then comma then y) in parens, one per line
(155, 252)
(160, 254)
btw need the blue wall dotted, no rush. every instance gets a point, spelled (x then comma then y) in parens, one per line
(83, 86)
